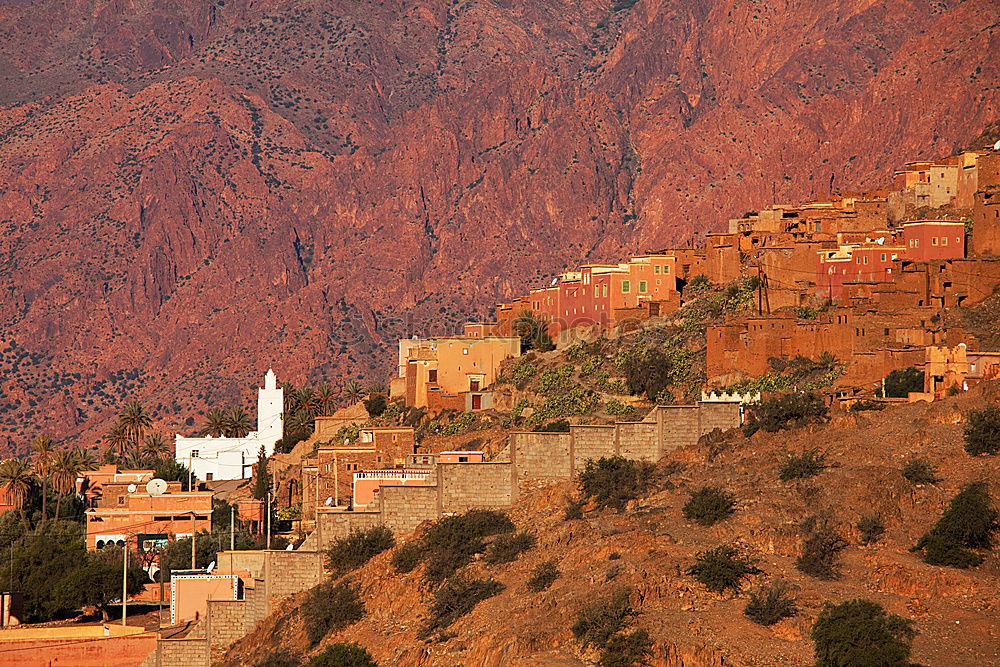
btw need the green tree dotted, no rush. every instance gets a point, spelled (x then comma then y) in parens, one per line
(344, 655)
(376, 404)
(899, 383)
(40, 561)
(306, 400)
(982, 432)
(353, 391)
(154, 447)
(171, 470)
(42, 447)
(215, 423)
(533, 333)
(17, 480)
(326, 399)
(858, 633)
(118, 439)
(98, 580)
(261, 477)
(135, 421)
(969, 523)
(238, 422)
(65, 469)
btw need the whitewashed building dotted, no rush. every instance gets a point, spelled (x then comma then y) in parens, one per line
(233, 458)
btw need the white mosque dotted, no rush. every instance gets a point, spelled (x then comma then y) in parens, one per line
(233, 458)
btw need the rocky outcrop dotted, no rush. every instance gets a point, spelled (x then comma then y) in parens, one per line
(191, 194)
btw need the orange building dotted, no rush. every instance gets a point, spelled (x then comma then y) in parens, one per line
(927, 240)
(108, 484)
(145, 521)
(439, 368)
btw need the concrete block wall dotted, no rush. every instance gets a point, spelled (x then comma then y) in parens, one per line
(541, 456)
(723, 416)
(483, 485)
(638, 441)
(227, 621)
(182, 652)
(291, 572)
(592, 442)
(406, 507)
(335, 525)
(678, 426)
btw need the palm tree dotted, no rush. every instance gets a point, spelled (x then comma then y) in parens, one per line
(118, 438)
(215, 422)
(353, 391)
(155, 447)
(42, 447)
(325, 398)
(16, 479)
(85, 458)
(135, 419)
(65, 469)
(307, 401)
(291, 404)
(238, 422)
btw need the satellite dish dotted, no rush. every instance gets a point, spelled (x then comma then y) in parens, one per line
(131, 488)
(211, 566)
(329, 500)
(156, 487)
(289, 547)
(996, 146)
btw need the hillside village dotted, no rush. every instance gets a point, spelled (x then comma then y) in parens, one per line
(840, 335)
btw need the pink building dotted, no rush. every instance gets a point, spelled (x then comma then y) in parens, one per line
(855, 264)
(368, 483)
(928, 240)
(191, 591)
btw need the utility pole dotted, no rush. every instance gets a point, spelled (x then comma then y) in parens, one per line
(124, 580)
(269, 520)
(319, 530)
(336, 480)
(760, 287)
(232, 529)
(193, 533)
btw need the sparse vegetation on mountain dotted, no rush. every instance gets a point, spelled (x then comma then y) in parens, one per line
(330, 607)
(357, 548)
(723, 568)
(343, 655)
(966, 528)
(899, 383)
(871, 528)
(820, 553)
(597, 623)
(407, 557)
(613, 482)
(770, 603)
(532, 332)
(456, 597)
(507, 547)
(543, 576)
(785, 412)
(920, 471)
(809, 463)
(450, 543)
(709, 505)
(859, 633)
(982, 432)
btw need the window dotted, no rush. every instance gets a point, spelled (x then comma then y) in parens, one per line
(463, 459)
(944, 240)
(866, 260)
(597, 291)
(666, 270)
(656, 269)
(883, 257)
(195, 453)
(605, 290)
(626, 286)
(465, 350)
(432, 375)
(642, 286)
(934, 240)
(209, 476)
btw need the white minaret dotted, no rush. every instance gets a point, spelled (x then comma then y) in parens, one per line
(270, 412)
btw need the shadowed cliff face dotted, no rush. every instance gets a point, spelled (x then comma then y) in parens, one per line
(192, 192)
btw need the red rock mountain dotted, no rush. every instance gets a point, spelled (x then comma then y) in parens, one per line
(191, 192)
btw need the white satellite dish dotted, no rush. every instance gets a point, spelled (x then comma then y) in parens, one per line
(156, 487)
(131, 488)
(996, 146)
(289, 547)
(211, 566)
(329, 500)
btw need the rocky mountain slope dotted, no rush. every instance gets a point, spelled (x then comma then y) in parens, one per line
(649, 546)
(192, 192)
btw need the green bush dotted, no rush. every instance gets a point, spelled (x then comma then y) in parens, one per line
(597, 623)
(698, 283)
(968, 523)
(920, 471)
(543, 576)
(858, 633)
(769, 604)
(360, 546)
(613, 482)
(649, 372)
(574, 510)
(709, 505)
(627, 650)
(871, 528)
(558, 426)
(344, 655)
(982, 432)
(507, 547)
(868, 405)
(809, 463)
(806, 313)
(280, 659)
(899, 383)
(555, 380)
(521, 372)
(724, 567)
(820, 553)
(616, 407)
(451, 542)
(532, 331)
(407, 557)
(329, 608)
(376, 404)
(456, 598)
(786, 412)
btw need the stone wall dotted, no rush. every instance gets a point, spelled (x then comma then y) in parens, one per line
(482, 485)
(592, 442)
(679, 426)
(406, 507)
(638, 441)
(182, 652)
(541, 456)
(227, 621)
(290, 572)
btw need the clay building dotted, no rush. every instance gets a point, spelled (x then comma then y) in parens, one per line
(146, 520)
(927, 240)
(94, 485)
(453, 372)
